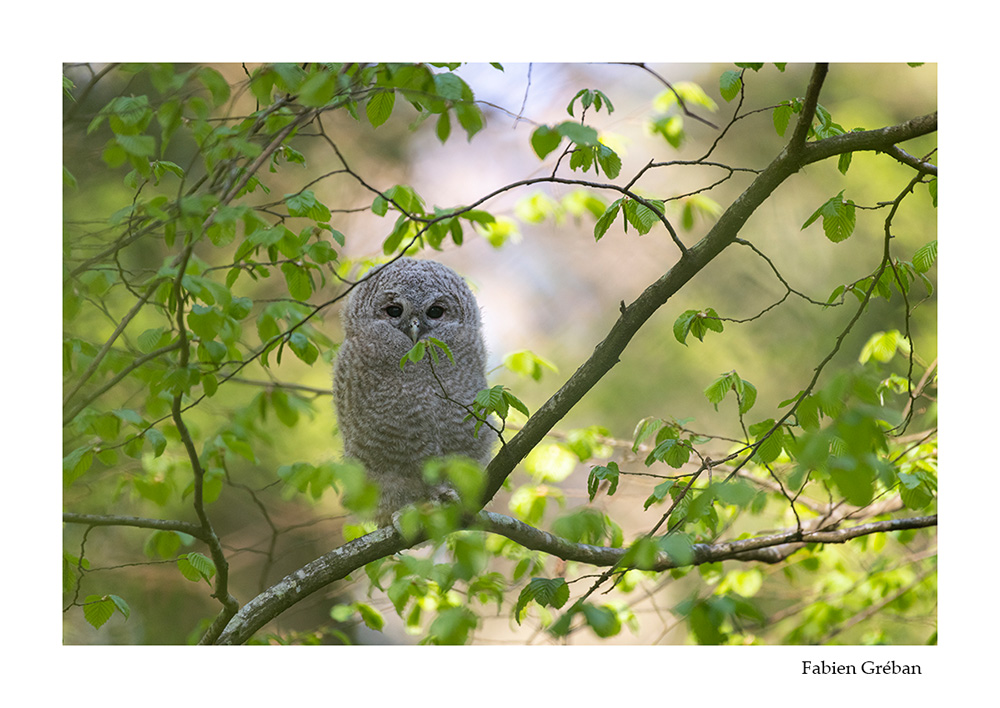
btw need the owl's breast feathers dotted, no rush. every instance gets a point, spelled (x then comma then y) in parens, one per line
(412, 412)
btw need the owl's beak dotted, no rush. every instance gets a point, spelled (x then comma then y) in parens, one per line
(414, 330)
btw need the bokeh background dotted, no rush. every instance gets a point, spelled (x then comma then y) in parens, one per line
(549, 288)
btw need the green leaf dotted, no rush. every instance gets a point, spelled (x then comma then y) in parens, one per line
(319, 89)
(165, 544)
(586, 97)
(161, 167)
(641, 554)
(606, 219)
(698, 205)
(400, 196)
(196, 566)
(97, 609)
(730, 84)
(137, 145)
(547, 592)
(838, 218)
(150, 339)
(660, 492)
(689, 92)
(215, 83)
(644, 429)
(844, 162)
(415, 354)
(590, 97)
(544, 140)
(321, 252)
(302, 347)
(577, 133)
(856, 484)
(925, 256)
(602, 473)
(288, 75)
(76, 463)
(736, 492)
(451, 87)
(443, 127)
(882, 346)
(495, 400)
(670, 450)
(678, 547)
(452, 626)
(696, 323)
(297, 278)
(469, 117)
(641, 216)
(671, 128)
(745, 391)
(781, 117)
(609, 161)
(157, 440)
(527, 363)
(603, 620)
(306, 204)
(771, 447)
(205, 321)
(371, 617)
(379, 107)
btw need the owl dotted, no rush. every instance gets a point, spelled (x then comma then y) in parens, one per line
(394, 418)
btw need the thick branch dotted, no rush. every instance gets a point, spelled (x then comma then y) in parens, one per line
(308, 579)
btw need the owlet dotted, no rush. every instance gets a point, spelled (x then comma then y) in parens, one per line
(393, 418)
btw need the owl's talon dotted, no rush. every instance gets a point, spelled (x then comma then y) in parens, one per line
(445, 495)
(395, 520)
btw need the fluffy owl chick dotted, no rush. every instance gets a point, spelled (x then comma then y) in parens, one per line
(392, 418)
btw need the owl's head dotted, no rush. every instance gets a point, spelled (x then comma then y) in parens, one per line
(412, 298)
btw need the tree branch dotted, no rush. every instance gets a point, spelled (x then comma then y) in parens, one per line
(723, 233)
(137, 522)
(85, 376)
(385, 541)
(914, 162)
(809, 104)
(311, 577)
(746, 549)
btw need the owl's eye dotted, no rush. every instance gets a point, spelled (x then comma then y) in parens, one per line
(435, 311)
(394, 310)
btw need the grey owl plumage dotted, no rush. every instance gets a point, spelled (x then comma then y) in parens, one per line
(393, 419)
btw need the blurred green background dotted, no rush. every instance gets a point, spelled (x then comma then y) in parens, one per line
(550, 288)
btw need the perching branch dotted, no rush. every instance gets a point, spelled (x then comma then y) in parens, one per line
(746, 549)
(311, 577)
(385, 541)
